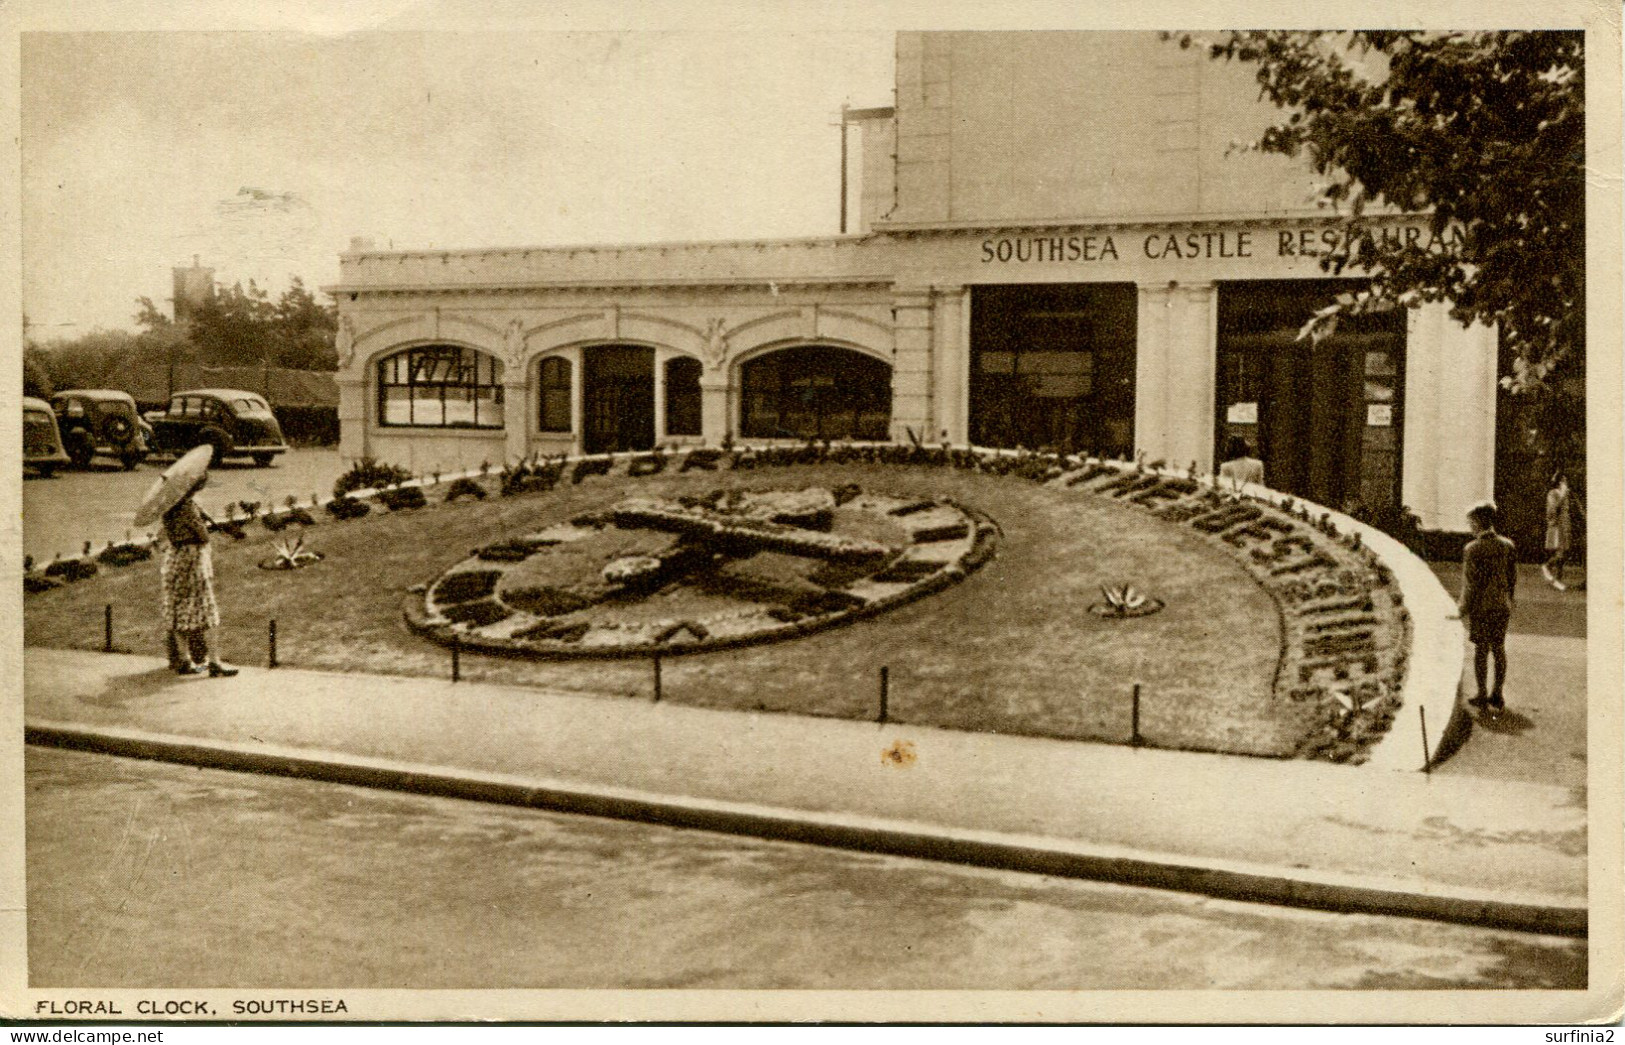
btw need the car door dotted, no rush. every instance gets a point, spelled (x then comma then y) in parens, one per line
(214, 419)
(178, 429)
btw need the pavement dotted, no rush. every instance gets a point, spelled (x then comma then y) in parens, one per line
(1458, 848)
(1541, 737)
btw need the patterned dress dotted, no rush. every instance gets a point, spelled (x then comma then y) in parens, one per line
(188, 571)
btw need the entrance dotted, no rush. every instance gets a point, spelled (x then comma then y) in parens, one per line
(618, 398)
(1052, 366)
(1325, 419)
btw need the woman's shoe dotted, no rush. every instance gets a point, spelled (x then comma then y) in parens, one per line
(218, 670)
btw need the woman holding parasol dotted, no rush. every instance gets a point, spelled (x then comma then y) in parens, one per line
(190, 611)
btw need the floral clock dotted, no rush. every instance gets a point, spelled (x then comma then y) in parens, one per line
(652, 575)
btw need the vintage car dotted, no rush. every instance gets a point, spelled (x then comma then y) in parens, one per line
(234, 422)
(42, 443)
(101, 421)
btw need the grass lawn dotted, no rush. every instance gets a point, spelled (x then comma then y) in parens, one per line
(1012, 648)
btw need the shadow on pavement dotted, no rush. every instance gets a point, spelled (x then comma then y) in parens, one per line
(122, 691)
(1509, 723)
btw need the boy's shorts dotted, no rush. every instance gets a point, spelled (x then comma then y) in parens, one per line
(1487, 628)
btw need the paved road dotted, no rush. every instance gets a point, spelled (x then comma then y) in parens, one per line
(72, 507)
(145, 874)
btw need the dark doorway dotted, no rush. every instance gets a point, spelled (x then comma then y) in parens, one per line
(618, 398)
(1052, 366)
(1326, 419)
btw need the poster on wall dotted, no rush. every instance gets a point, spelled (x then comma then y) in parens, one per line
(1242, 414)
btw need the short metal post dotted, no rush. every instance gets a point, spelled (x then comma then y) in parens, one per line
(107, 629)
(1427, 757)
(657, 678)
(1134, 718)
(456, 658)
(885, 686)
(271, 642)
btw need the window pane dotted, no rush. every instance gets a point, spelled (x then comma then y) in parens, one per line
(397, 407)
(441, 385)
(816, 392)
(555, 410)
(554, 406)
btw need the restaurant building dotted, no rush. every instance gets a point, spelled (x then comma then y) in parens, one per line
(1056, 246)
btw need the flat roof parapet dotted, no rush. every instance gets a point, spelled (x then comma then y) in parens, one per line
(810, 259)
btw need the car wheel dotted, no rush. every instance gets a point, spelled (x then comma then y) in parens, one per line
(221, 444)
(117, 429)
(81, 451)
(263, 460)
(46, 471)
(132, 461)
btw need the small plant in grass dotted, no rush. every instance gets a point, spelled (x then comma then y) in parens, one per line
(1125, 600)
(401, 498)
(291, 555)
(36, 581)
(531, 477)
(70, 570)
(647, 464)
(124, 554)
(292, 515)
(701, 458)
(465, 487)
(591, 466)
(369, 474)
(250, 508)
(347, 507)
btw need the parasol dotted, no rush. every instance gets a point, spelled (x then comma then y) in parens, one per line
(176, 482)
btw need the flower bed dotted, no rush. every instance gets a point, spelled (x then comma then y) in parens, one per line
(1322, 678)
(730, 567)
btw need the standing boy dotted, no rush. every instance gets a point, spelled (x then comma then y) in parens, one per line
(1489, 574)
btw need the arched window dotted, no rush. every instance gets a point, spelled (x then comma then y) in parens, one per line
(440, 386)
(683, 396)
(816, 392)
(554, 405)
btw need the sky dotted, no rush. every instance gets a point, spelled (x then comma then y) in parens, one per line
(263, 152)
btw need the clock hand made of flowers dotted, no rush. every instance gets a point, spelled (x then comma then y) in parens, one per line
(653, 575)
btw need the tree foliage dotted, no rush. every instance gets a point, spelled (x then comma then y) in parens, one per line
(238, 327)
(1483, 131)
(36, 374)
(235, 327)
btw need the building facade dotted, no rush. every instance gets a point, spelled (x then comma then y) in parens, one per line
(1056, 247)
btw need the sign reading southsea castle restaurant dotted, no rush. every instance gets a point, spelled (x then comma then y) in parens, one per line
(1181, 243)
(1149, 302)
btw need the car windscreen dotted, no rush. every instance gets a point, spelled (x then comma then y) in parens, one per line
(250, 406)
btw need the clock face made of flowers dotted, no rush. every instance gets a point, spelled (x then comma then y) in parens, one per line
(652, 575)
